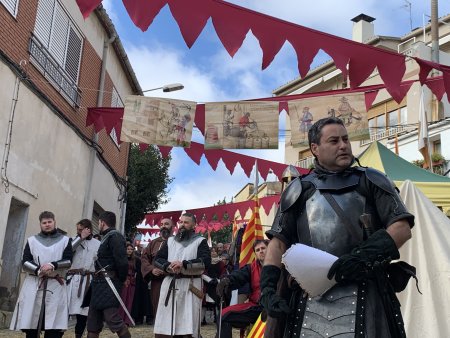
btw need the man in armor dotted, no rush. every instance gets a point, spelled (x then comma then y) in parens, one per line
(42, 302)
(79, 276)
(111, 263)
(354, 213)
(150, 272)
(183, 257)
(242, 315)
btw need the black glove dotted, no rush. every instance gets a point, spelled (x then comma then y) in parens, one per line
(223, 288)
(377, 251)
(275, 306)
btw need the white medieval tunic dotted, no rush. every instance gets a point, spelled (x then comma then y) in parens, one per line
(83, 259)
(187, 305)
(26, 313)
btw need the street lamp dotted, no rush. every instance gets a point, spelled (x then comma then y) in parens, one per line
(167, 88)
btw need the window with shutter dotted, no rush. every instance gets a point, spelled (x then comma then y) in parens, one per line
(56, 48)
(11, 6)
(44, 19)
(58, 39)
(73, 55)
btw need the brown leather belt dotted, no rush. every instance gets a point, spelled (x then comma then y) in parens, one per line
(172, 284)
(103, 274)
(83, 272)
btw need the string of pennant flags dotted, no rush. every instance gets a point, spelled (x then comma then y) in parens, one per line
(232, 23)
(217, 211)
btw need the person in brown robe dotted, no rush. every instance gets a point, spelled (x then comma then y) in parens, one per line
(151, 273)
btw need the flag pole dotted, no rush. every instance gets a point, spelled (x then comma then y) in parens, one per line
(255, 187)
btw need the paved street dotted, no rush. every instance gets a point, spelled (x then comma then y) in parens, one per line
(141, 331)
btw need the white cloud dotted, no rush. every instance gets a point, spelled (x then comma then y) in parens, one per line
(200, 186)
(158, 66)
(392, 17)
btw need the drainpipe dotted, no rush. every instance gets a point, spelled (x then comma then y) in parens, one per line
(88, 203)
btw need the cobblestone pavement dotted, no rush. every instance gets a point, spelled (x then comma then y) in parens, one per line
(141, 331)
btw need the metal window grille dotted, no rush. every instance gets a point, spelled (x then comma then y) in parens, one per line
(11, 6)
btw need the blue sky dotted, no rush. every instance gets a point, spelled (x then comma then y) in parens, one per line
(159, 56)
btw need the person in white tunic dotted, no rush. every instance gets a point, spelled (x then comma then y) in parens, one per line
(184, 257)
(42, 302)
(79, 276)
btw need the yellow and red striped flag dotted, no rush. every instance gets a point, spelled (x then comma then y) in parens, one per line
(252, 232)
(258, 226)
(258, 329)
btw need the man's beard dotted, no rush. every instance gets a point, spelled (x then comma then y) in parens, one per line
(183, 234)
(164, 233)
(49, 232)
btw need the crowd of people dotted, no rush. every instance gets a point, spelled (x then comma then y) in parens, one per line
(177, 279)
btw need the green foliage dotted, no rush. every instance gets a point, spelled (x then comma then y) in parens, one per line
(148, 178)
(436, 157)
(418, 163)
(223, 235)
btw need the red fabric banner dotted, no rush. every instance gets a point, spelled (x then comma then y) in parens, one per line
(87, 6)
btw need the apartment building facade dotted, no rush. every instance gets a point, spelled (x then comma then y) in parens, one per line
(53, 66)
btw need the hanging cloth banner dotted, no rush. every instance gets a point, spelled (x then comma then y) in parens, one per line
(152, 120)
(350, 108)
(241, 125)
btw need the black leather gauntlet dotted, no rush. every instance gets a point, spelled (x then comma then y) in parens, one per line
(275, 306)
(377, 251)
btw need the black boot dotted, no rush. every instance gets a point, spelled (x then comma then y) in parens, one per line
(123, 332)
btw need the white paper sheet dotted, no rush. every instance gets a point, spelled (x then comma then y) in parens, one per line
(309, 267)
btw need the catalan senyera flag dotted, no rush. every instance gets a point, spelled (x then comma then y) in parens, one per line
(258, 329)
(252, 232)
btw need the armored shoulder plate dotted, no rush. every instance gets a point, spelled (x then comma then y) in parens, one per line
(380, 180)
(291, 194)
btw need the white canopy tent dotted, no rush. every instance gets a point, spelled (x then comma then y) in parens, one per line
(426, 315)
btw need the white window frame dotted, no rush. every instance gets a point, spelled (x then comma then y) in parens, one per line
(116, 101)
(11, 6)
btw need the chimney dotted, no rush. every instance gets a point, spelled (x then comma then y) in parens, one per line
(363, 28)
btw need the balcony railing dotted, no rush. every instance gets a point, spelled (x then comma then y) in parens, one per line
(306, 162)
(386, 133)
(58, 77)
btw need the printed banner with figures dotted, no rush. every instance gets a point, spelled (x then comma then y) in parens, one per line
(350, 108)
(241, 125)
(152, 120)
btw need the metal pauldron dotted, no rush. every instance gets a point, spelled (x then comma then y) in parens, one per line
(64, 264)
(76, 243)
(30, 267)
(195, 268)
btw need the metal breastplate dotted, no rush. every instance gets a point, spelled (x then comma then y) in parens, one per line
(327, 231)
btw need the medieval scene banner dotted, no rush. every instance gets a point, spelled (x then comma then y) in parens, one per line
(151, 120)
(350, 108)
(241, 125)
